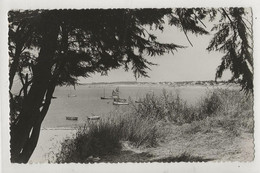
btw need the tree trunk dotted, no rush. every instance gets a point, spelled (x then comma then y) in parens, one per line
(32, 141)
(30, 113)
(15, 64)
(21, 36)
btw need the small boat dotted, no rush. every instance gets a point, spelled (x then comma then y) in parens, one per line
(106, 98)
(95, 117)
(72, 95)
(72, 118)
(117, 99)
(53, 97)
(137, 99)
(120, 103)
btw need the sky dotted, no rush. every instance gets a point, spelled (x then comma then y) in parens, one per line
(187, 64)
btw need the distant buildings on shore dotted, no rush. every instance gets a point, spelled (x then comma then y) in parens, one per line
(197, 83)
(174, 84)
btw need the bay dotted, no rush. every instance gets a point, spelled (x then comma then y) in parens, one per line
(88, 103)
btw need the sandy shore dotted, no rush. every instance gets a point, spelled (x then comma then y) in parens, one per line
(49, 144)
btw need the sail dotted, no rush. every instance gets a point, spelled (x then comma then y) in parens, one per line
(115, 93)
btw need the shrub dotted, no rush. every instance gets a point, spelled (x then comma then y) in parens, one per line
(210, 104)
(105, 137)
(166, 107)
(233, 111)
(217, 102)
(238, 107)
(172, 108)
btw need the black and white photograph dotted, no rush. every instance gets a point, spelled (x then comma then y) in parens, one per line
(130, 85)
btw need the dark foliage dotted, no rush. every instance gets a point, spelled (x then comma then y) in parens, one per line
(234, 37)
(54, 47)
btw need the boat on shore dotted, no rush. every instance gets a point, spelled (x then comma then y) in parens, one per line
(72, 118)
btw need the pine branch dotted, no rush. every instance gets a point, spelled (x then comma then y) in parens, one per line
(185, 32)
(200, 20)
(225, 13)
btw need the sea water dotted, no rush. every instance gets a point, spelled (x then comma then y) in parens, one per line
(88, 102)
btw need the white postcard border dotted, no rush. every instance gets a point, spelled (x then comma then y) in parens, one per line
(6, 166)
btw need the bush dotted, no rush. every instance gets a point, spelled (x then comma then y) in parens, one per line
(105, 137)
(172, 108)
(210, 104)
(228, 109)
(237, 107)
(169, 107)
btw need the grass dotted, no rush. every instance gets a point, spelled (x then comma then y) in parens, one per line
(105, 137)
(222, 113)
(228, 105)
(184, 157)
(167, 107)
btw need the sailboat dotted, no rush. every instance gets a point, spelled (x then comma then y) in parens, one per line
(71, 95)
(117, 100)
(115, 93)
(104, 97)
(138, 100)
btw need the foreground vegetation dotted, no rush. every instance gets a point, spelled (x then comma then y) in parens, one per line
(164, 128)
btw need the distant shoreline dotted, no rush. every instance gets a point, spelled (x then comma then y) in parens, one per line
(170, 84)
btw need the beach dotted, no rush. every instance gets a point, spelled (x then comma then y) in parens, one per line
(49, 144)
